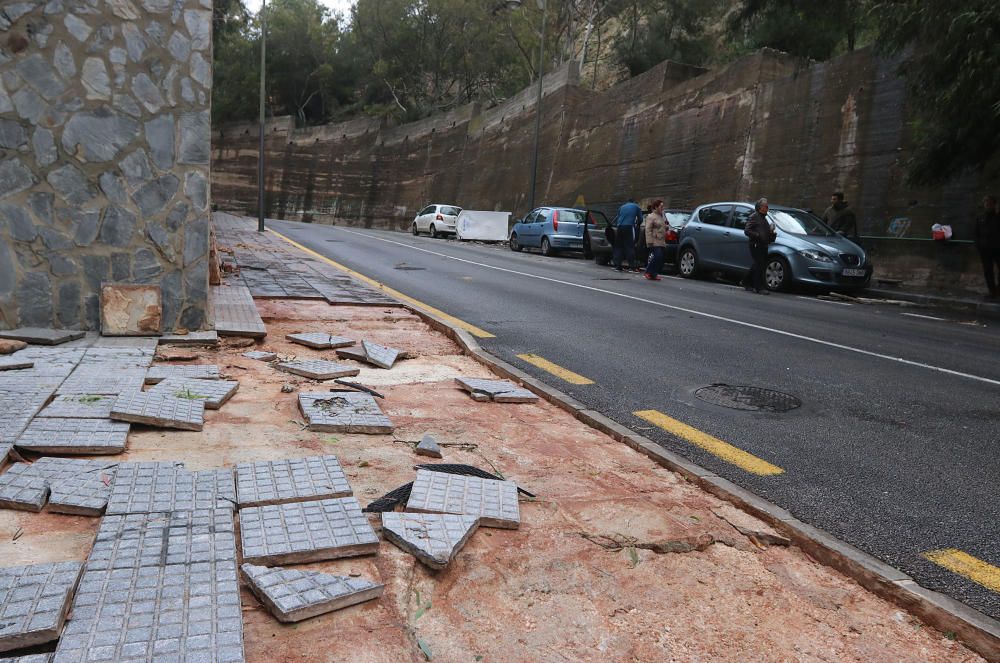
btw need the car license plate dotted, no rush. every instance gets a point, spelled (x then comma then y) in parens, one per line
(853, 272)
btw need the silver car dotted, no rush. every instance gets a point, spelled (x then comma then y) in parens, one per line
(807, 251)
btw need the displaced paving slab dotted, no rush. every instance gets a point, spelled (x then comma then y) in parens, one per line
(163, 487)
(320, 340)
(428, 446)
(210, 337)
(83, 494)
(493, 502)
(15, 364)
(379, 355)
(79, 406)
(160, 372)
(33, 602)
(21, 490)
(74, 436)
(291, 480)
(500, 391)
(292, 595)
(261, 355)
(306, 532)
(103, 382)
(433, 538)
(356, 354)
(318, 369)
(343, 412)
(235, 312)
(71, 482)
(214, 393)
(17, 410)
(159, 410)
(40, 336)
(30, 658)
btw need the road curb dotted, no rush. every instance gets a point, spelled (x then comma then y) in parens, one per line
(977, 631)
(984, 309)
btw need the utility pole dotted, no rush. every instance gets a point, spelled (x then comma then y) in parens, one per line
(538, 108)
(260, 147)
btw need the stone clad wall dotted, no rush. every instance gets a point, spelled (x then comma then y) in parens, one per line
(104, 157)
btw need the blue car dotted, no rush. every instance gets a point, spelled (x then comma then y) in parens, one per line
(551, 229)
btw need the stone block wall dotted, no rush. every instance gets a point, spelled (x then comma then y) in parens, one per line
(104, 157)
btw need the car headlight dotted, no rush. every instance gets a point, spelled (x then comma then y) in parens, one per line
(818, 256)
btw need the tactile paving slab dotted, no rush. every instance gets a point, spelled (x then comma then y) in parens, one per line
(306, 532)
(106, 382)
(343, 412)
(214, 393)
(292, 480)
(79, 406)
(40, 336)
(33, 602)
(318, 369)
(73, 482)
(17, 410)
(30, 658)
(260, 355)
(494, 502)
(21, 490)
(15, 364)
(379, 355)
(320, 340)
(433, 538)
(84, 494)
(161, 487)
(74, 436)
(501, 391)
(291, 595)
(160, 372)
(159, 410)
(235, 312)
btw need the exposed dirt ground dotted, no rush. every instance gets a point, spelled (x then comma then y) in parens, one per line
(583, 579)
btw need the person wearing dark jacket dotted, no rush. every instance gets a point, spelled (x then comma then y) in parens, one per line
(987, 237)
(626, 226)
(760, 232)
(841, 217)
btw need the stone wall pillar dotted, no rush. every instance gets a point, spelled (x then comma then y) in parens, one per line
(105, 110)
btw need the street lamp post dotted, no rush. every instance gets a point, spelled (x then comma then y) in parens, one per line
(538, 107)
(260, 146)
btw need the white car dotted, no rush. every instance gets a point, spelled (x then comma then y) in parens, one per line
(436, 220)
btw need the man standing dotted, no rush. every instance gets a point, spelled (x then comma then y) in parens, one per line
(760, 232)
(987, 236)
(626, 224)
(840, 217)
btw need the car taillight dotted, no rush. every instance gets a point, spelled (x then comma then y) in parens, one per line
(439, 217)
(671, 236)
(555, 220)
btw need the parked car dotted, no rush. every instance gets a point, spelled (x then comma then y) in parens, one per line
(596, 244)
(436, 220)
(807, 251)
(551, 229)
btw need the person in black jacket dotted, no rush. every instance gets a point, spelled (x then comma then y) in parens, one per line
(760, 232)
(987, 236)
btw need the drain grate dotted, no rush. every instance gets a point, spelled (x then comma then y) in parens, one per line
(409, 268)
(742, 397)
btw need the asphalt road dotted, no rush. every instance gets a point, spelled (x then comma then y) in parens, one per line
(894, 448)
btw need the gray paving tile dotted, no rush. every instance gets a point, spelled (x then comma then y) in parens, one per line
(319, 340)
(318, 369)
(160, 372)
(494, 502)
(79, 406)
(433, 538)
(260, 355)
(103, 382)
(235, 312)
(130, 342)
(343, 412)
(214, 393)
(41, 336)
(30, 658)
(33, 602)
(16, 411)
(159, 410)
(290, 480)
(5, 452)
(305, 532)
(210, 337)
(379, 355)
(357, 354)
(501, 391)
(428, 446)
(22, 491)
(74, 436)
(161, 487)
(75, 485)
(291, 595)
(15, 364)
(84, 494)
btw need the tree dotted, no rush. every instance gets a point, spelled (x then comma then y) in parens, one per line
(675, 30)
(951, 57)
(815, 29)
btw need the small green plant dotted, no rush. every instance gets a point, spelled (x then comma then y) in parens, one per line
(189, 395)
(90, 398)
(332, 439)
(633, 556)
(425, 649)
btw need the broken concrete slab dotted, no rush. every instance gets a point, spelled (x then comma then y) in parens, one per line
(27, 486)
(292, 596)
(214, 393)
(210, 337)
(161, 487)
(428, 446)
(357, 354)
(261, 355)
(343, 412)
(501, 391)
(235, 312)
(83, 494)
(159, 411)
(79, 406)
(74, 436)
(159, 372)
(433, 538)
(40, 336)
(306, 532)
(14, 364)
(751, 527)
(379, 355)
(131, 310)
(319, 340)
(34, 601)
(317, 369)
(292, 480)
(22, 491)
(494, 502)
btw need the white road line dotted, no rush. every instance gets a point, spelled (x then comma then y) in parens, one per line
(712, 316)
(925, 317)
(825, 301)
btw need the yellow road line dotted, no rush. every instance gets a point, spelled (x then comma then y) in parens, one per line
(968, 566)
(556, 369)
(712, 445)
(462, 324)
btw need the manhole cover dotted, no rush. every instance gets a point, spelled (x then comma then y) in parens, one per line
(742, 397)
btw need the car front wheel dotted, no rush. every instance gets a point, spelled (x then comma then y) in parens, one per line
(547, 249)
(687, 263)
(777, 274)
(514, 246)
(413, 229)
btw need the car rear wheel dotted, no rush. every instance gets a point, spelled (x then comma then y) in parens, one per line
(434, 231)
(547, 249)
(602, 258)
(687, 263)
(514, 246)
(777, 274)
(413, 229)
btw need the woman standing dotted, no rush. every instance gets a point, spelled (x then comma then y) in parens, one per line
(656, 240)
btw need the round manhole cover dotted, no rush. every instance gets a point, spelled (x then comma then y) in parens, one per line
(742, 397)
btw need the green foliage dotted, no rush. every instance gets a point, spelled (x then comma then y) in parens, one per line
(952, 56)
(674, 30)
(806, 28)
